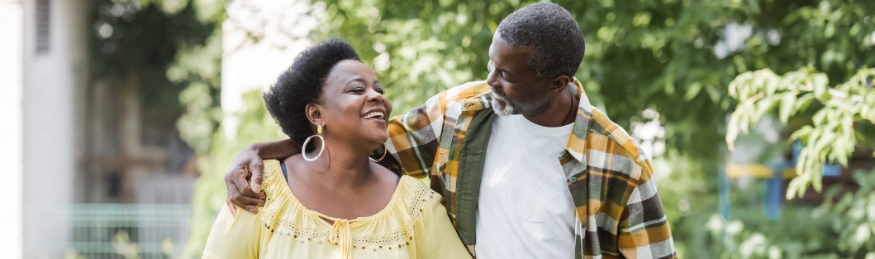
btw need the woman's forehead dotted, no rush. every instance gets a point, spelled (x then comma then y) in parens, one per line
(349, 69)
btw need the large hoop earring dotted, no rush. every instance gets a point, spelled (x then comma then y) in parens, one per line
(385, 150)
(304, 148)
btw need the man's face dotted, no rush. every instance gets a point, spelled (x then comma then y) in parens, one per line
(515, 88)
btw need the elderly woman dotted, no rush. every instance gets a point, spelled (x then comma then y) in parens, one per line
(332, 200)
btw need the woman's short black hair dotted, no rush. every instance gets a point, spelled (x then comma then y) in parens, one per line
(302, 84)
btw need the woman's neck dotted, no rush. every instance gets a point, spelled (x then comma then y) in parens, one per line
(341, 165)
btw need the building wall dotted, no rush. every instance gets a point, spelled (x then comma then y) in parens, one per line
(11, 36)
(52, 79)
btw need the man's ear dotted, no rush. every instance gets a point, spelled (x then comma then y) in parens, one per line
(314, 114)
(559, 83)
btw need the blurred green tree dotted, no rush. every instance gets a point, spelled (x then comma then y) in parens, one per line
(170, 52)
(677, 57)
(842, 121)
(841, 118)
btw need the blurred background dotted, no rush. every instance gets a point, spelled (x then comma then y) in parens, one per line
(120, 117)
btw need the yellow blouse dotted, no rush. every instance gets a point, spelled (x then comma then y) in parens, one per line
(413, 224)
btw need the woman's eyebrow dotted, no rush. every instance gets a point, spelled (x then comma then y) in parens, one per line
(356, 79)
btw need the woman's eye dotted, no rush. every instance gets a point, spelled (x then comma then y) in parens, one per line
(358, 90)
(380, 91)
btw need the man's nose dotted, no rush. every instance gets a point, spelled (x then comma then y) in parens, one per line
(492, 80)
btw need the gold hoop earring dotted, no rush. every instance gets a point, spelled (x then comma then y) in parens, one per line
(385, 150)
(304, 148)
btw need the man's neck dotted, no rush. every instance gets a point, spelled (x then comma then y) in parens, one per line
(559, 112)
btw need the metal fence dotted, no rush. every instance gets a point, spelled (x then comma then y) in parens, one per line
(129, 230)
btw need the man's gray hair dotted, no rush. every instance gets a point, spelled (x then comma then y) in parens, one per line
(552, 34)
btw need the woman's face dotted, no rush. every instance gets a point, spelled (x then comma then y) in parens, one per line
(352, 105)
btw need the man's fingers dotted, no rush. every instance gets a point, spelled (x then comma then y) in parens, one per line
(247, 203)
(232, 207)
(238, 179)
(234, 196)
(247, 192)
(245, 197)
(244, 201)
(257, 170)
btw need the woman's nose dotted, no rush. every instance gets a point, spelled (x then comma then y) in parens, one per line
(375, 96)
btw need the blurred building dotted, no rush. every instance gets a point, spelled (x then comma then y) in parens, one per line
(88, 166)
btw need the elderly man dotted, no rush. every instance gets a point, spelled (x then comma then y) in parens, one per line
(527, 167)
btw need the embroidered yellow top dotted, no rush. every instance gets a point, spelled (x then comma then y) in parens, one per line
(413, 224)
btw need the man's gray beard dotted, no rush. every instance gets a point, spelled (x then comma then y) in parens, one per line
(511, 108)
(507, 110)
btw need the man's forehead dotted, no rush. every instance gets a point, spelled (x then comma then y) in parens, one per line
(506, 56)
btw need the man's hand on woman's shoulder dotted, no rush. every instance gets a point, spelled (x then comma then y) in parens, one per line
(247, 168)
(243, 179)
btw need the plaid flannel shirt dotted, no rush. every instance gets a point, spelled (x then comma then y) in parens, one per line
(618, 210)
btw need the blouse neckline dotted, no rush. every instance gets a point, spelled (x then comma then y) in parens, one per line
(318, 216)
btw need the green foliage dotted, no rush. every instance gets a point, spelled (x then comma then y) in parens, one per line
(841, 229)
(830, 120)
(640, 54)
(830, 138)
(854, 217)
(171, 51)
(199, 67)
(688, 199)
(751, 238)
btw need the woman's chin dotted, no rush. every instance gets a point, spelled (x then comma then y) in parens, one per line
(378, 140)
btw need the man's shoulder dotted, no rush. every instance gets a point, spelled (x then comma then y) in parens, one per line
(473, 96)
(608, 137)
(473, 90)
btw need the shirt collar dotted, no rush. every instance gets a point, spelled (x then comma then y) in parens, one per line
(576, 145)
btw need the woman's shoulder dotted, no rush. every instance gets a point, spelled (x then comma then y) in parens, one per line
(282, 212)
(412, 183)
(273, 173)
(274, 183)
(417, 195)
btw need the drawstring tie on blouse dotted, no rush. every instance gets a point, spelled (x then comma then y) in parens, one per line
(341, 235)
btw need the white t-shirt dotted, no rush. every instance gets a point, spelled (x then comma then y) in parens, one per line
(525, 209)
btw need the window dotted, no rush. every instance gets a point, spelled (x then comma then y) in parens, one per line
(43, 26)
